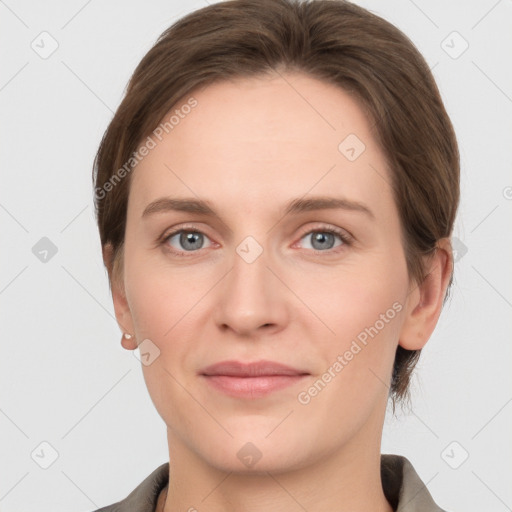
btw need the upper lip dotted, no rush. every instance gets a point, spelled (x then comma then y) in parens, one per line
(251, 369)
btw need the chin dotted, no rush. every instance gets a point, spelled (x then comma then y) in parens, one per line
(251, 452)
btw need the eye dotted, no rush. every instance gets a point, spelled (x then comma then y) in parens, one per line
(187, 240)
(323, 239)
(190, 240)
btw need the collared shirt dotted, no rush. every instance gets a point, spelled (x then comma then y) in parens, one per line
(402, 486)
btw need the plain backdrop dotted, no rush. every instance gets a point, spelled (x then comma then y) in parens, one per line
(73, 400)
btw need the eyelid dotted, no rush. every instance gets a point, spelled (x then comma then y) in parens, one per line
(346, 237)
(180, 227)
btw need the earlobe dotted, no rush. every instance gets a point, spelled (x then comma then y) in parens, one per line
(128, 342)
(425, 300)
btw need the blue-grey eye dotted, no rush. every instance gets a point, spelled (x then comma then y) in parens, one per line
(188, 240)
(322, 240)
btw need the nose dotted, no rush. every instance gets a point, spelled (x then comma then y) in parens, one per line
(251, 298)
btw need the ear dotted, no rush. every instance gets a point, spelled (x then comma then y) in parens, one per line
(121, 307)
(425, 299)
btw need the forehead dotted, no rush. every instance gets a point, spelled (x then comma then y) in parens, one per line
(265, 138)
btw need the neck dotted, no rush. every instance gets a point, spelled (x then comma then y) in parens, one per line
(344, 480)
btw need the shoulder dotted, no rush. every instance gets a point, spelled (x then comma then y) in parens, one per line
(403, 487)
(144, 497)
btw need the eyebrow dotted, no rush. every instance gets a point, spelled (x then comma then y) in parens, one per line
(299, 205)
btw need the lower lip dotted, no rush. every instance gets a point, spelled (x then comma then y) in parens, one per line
(251, 387)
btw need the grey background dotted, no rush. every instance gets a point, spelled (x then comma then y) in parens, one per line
(66, 381)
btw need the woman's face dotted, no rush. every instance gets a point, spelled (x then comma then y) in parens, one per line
(263, 278)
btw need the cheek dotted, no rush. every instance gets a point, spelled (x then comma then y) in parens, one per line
(353, 299)
(159, 296)
(365, 310)
(162, 308)
(167, 306)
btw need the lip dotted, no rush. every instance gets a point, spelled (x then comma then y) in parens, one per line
(251, 380)
(251, 369)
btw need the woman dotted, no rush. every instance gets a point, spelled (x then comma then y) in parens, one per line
(275, 198)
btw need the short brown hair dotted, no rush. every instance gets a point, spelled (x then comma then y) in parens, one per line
(331, 40)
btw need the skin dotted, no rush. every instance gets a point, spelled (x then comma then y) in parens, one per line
(250, 146)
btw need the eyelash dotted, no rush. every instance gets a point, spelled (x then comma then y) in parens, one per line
(345, 238)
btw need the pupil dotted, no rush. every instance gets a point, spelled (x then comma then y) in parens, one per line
(190, 238)
(322, 237)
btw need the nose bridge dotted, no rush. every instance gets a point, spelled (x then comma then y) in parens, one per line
(250, 275)
(250, 296)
